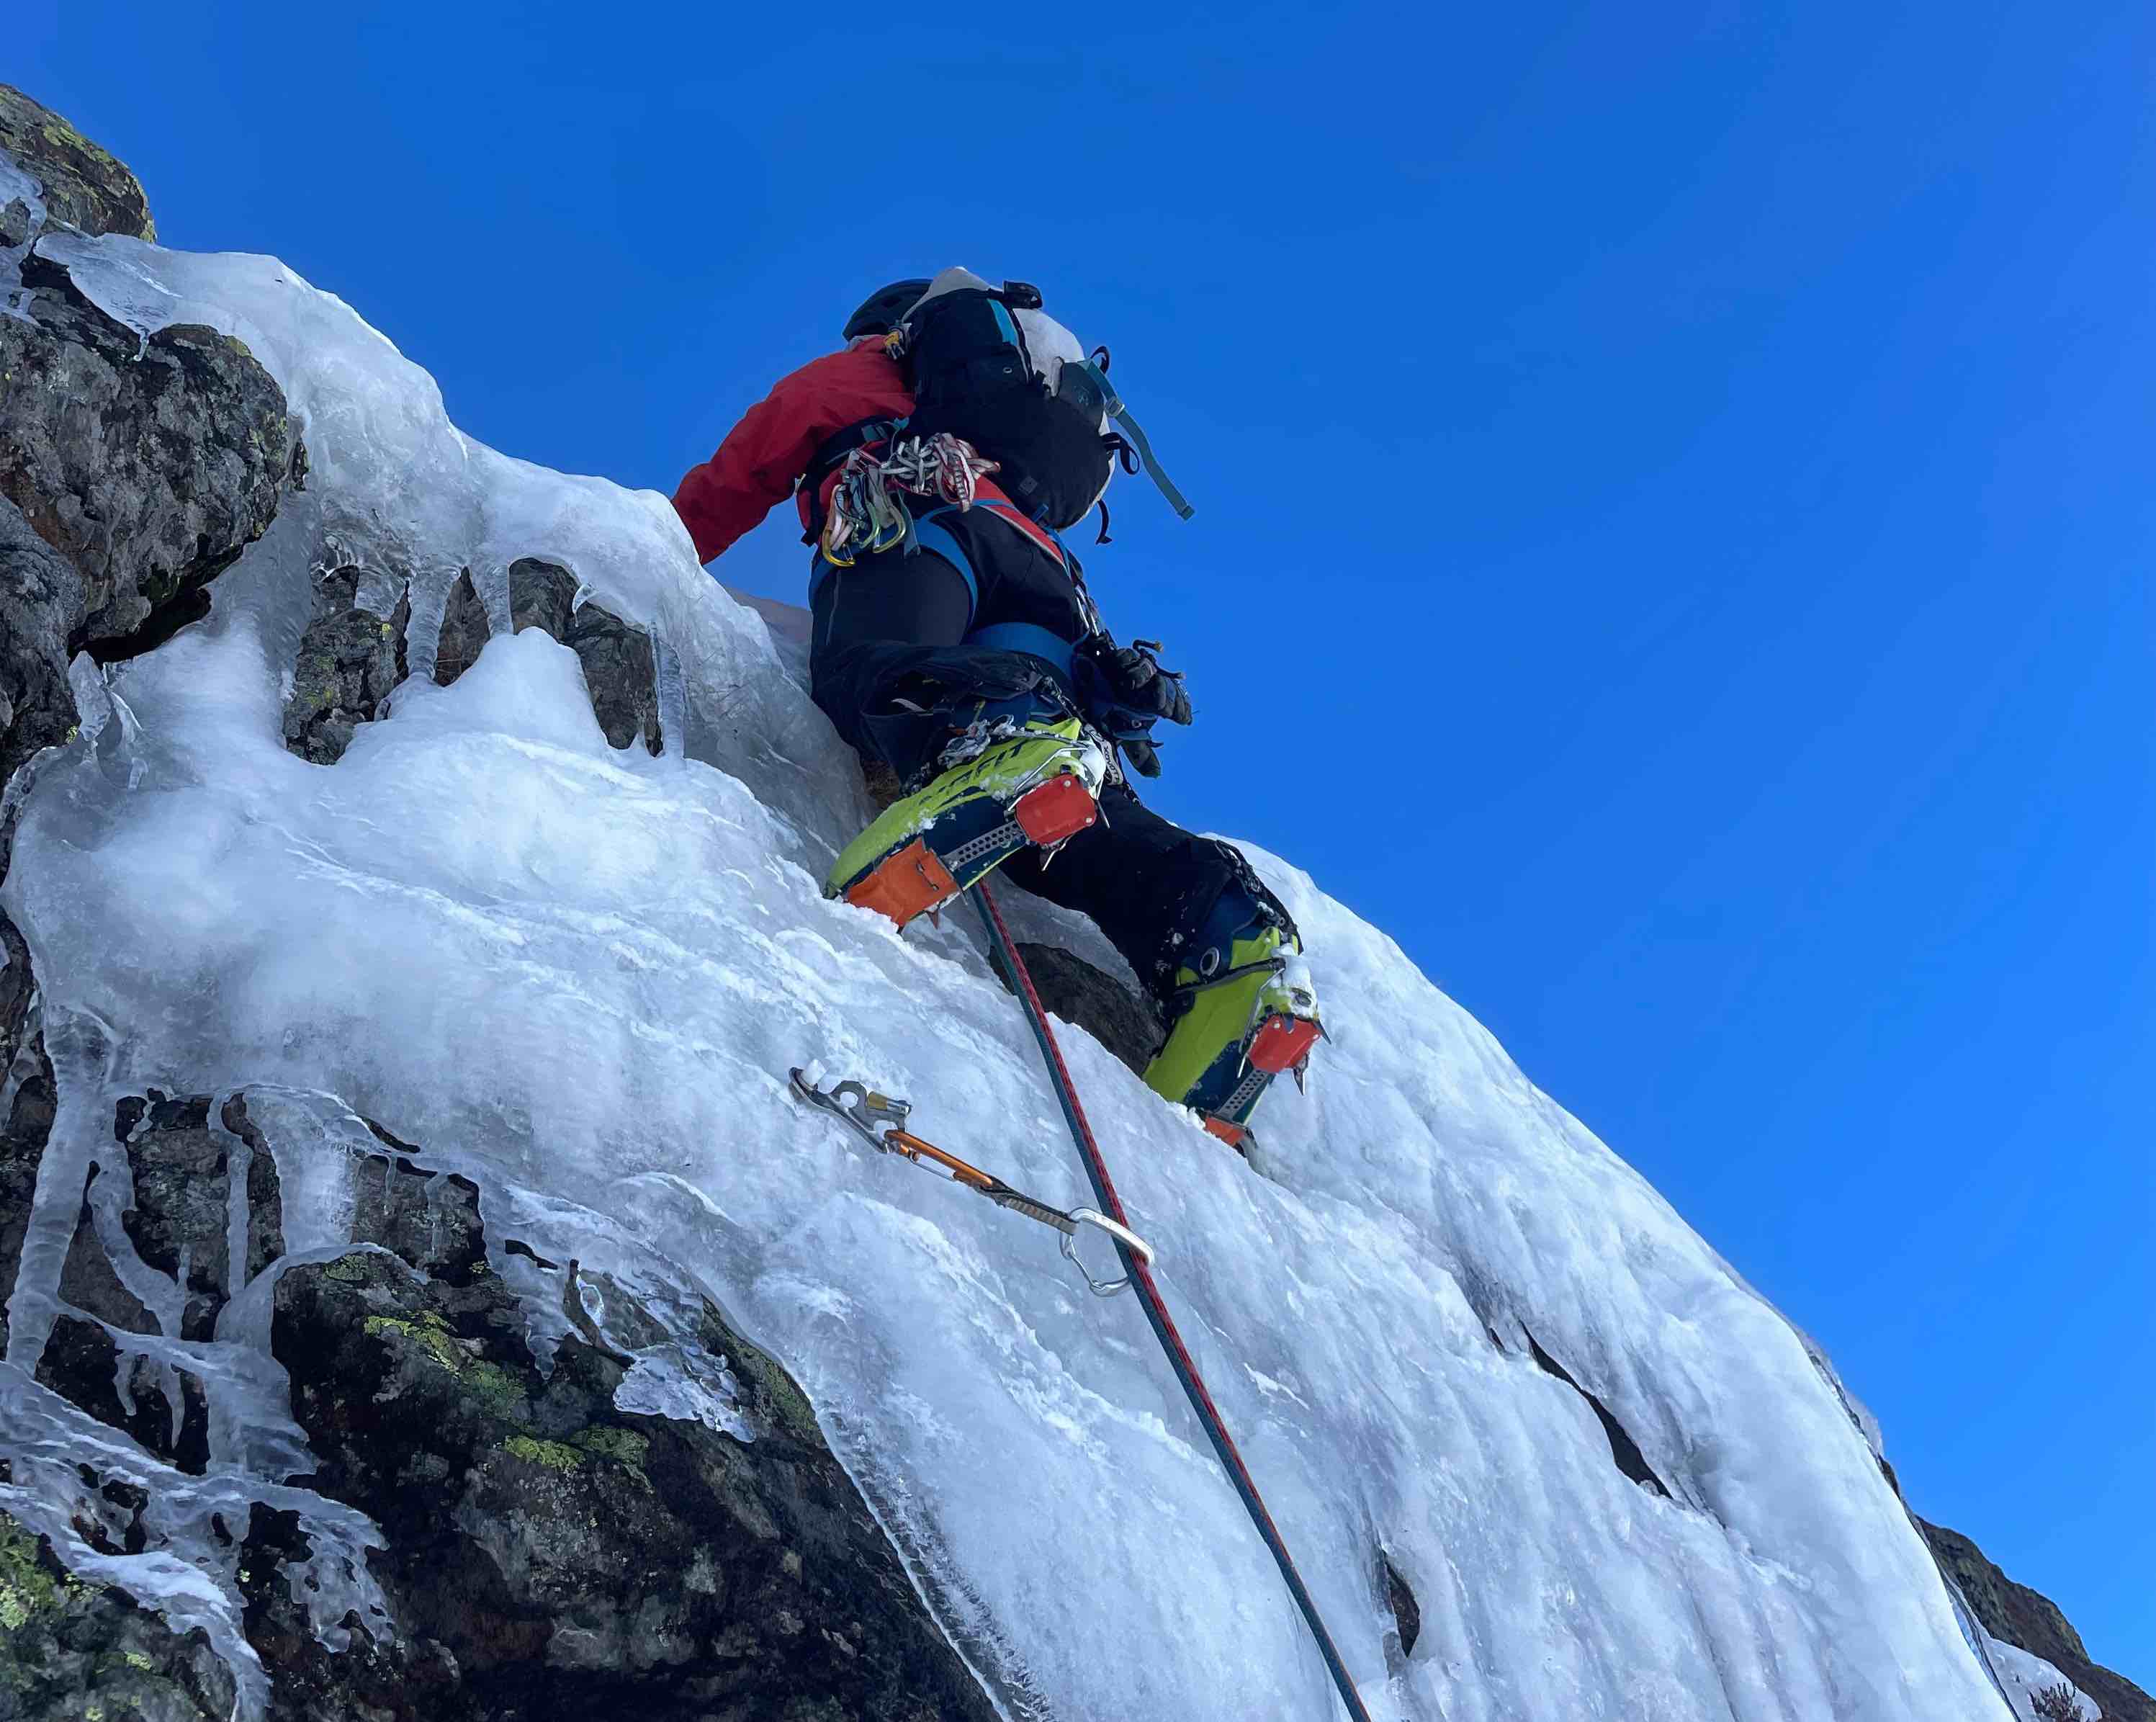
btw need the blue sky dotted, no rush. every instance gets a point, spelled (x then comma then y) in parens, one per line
(1674, 519)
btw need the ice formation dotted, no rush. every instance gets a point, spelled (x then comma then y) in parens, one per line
(579, 976)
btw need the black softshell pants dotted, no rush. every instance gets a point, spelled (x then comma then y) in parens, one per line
(931, 630)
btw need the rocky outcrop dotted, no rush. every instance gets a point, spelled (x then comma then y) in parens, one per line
(149, 465)
(567, 1557)
(352, 655)
(131, 472)
(1074, 989)
(80, 184)
(546, 1553)
(2019, 1615)
(619, 669)
(350, 658)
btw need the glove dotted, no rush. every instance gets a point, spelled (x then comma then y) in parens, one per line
(1125, 691)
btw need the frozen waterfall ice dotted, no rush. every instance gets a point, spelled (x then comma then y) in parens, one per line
(579, 975)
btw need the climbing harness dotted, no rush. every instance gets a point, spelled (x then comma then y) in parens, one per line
(1138, 1271)
(879, 1119)
(866, 516)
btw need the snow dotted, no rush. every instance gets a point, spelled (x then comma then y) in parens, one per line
(579, 976)
(2024, 1676)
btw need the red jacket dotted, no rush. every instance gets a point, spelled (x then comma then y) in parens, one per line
(763, 457)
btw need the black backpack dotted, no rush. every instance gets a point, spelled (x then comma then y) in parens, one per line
(966, 364)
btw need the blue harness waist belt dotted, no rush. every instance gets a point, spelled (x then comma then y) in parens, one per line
(1026, 637)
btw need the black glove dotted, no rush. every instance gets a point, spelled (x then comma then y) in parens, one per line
(1125, 691)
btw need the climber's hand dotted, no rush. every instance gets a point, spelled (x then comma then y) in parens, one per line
(1132, 678)
(1125, 693)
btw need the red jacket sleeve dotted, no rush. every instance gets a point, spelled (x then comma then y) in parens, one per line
(764, 456)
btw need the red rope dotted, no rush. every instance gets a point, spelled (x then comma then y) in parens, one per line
(1156, 1308)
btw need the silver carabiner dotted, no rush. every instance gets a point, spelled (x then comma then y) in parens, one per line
(1122, 1234)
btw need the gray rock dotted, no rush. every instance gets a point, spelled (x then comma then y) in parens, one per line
(1074, 989)
(465, 631)
(1407, 1614)
(619, 668)
(163, 1410)
(179, 1222)
(68, 1649)
(618, 665)
(149, 465)
(131, 473)
(41, 602)
(350, 658)
(83, 185)
(548, 1556)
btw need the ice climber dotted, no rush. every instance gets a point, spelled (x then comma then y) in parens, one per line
(936, 461)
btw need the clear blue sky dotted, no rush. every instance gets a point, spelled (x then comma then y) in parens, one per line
(1674, 522)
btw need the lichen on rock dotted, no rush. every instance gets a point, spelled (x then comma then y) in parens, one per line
(132, 471)
(82, 184)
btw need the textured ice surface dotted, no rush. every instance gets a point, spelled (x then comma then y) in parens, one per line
(580, 975)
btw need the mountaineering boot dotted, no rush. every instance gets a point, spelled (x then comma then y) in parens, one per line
(1013, 779)
(1248, 1012)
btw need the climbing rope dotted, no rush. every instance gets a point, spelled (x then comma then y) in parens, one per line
(1140, 1271)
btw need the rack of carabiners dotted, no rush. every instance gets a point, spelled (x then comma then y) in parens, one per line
(880, 1120)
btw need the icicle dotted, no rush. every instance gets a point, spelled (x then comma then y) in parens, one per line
(670, 690)
(239, 1163)
(429, 591)
(491, 580)
(93, 700)
(73, 1041)
(436, 1182)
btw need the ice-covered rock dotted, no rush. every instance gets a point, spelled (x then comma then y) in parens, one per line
(166, 458)
(350, 658)
(79, 183)
(133, 470)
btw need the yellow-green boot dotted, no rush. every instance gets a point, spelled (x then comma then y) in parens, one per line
(1251, 1013)
(1035, 785)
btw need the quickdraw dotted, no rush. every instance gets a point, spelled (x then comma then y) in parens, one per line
(880, 1119)
(866, 516)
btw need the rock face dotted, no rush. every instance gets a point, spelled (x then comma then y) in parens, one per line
(352, 655)
(149, 465)
(82, 185)
(131, 472)
(350, 658)
(2019, 1615)
(1074, 989)
(619, 670)
(560, 1557)
(41, 597)
(26, 1120)
(66, 1646)
(546, 1555)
